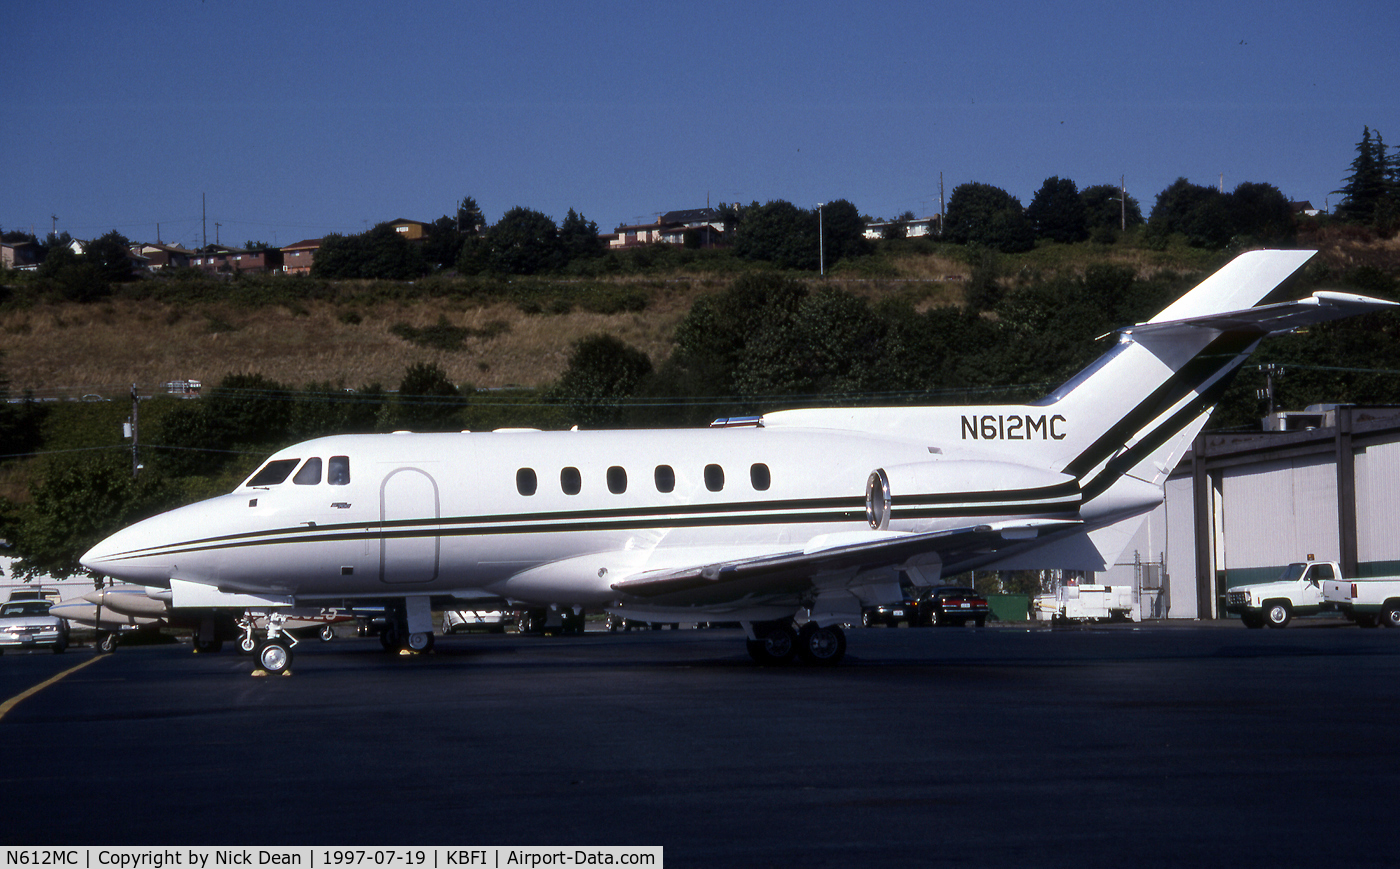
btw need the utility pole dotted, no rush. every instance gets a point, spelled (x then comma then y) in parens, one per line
(940, 203)
(1123, 202)
(203, 226)
(1271, 372)
(821, 242)
(54, 230)
(135, 411)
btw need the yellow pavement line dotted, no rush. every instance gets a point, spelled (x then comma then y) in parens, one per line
(24, 695)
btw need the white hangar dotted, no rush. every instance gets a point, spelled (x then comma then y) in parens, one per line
(1241, 505)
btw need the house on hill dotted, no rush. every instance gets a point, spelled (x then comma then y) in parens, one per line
(20, 255)
(219, 259)
(413, 230)
(163, 256)
(297, 258)
(696, 227)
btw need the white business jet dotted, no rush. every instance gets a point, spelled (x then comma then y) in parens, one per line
(788, 523)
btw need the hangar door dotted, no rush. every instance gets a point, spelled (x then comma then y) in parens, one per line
(1378, 510)
(1277, 512)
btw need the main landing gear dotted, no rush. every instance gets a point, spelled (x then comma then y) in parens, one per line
(779, 642)
(397, 635)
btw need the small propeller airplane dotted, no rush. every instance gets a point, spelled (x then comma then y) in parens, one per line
(115, 609)
(788, 523)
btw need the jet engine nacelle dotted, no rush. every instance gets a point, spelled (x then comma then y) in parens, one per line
(929, 491)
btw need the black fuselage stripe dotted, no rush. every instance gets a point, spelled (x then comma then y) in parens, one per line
(842, 509)
(1224, 351)
(430, 528)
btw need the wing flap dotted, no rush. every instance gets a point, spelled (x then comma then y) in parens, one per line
(793, 572)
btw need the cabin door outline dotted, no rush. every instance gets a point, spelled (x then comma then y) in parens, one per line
(410, 542)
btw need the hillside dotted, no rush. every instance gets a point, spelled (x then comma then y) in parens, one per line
(352, 334)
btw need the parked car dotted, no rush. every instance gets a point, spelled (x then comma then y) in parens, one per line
(26, 624)
(891, 614)
(953, 605)
(495, 621)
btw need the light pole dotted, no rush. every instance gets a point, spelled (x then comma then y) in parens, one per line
(821, 242)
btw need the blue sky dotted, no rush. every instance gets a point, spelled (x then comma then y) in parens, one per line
(298, 119)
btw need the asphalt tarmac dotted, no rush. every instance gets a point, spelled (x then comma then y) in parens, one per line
(1154, 745)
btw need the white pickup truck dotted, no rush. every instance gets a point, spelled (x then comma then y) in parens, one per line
(1297, 592)
(1308, 587)
(1368, 602)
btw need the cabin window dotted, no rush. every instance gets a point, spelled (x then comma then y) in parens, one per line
(273, 473)
(570, 481)
(714, 478)
(310, 473)
(665, 478)
(760, 476)
(338, 471)
(526, 482)
(617, 480)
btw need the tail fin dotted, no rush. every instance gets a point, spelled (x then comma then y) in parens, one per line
(1136, 410)
(1133, 412)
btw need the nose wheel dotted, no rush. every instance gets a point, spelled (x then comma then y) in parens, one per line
(274, 656)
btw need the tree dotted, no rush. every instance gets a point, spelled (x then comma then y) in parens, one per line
(603, 372)
(1103, 208)
(470, 220)
(428, 400)
(843, 231)
(579, 238)
(71, 275)
(779, 233)
(249, 410)
(442, 243)
(524, 242)
(1262, 212)
(713, 338)
(1057, 212)
(989, 216)
(381, 253)
(20, 422)
(79, 501)
(111, 254)
(831, 343)
(1366, 187)
(1198, 213)
(324, 409)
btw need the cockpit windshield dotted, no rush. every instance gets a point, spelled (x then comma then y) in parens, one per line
(337, 472)
(272, 473)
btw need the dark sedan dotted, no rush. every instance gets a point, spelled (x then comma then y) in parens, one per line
(891, 614)
(952, 605)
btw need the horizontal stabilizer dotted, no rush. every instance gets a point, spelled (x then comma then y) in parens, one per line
(1321, 307)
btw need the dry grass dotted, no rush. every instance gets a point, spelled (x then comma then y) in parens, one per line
(105, 348)
(76, 349)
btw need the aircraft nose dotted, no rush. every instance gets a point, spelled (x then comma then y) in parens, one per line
(131, 555)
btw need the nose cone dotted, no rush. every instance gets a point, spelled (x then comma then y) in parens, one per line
(133, 554)
(151, 551)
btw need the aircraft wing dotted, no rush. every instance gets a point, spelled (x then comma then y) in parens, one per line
(792, 573)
